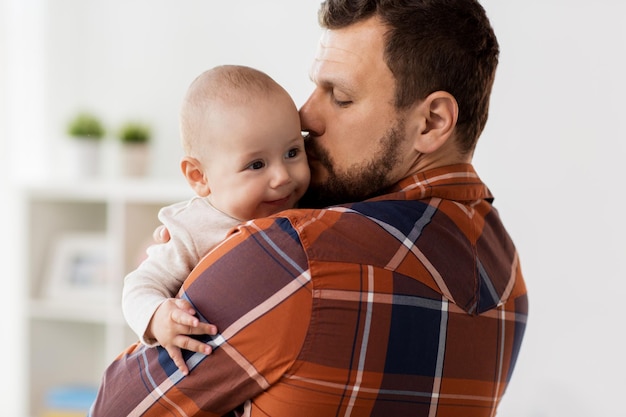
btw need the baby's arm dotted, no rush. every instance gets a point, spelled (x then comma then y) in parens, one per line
(148, 299)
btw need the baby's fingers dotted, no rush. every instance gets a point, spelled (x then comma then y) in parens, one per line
(188, 324)
(183, 318)
(204, 328)
(177, 357)
(193, 345)
(185, 306)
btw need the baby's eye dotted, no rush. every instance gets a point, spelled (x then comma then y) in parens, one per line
(256, 165)
(292, 153)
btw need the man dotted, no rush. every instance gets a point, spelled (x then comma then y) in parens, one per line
(409, 301)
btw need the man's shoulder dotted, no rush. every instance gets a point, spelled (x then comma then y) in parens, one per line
(327, 227)
(288, 228)
(303, 219)
(381, 210)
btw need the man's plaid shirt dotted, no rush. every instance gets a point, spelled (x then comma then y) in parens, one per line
(409, 304)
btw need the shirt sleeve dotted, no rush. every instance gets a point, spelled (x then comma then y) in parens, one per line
(256, 288)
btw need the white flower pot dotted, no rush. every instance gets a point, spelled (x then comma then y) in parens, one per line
(84, 157)
(135, 159)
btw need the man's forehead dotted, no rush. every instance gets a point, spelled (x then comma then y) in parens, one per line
(340, 46)
(347, 48)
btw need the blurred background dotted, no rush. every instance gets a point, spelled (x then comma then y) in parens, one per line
(551, 154)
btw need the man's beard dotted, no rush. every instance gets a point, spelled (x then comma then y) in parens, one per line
(360, 181)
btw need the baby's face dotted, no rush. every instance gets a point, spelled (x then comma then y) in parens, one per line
(257, 165)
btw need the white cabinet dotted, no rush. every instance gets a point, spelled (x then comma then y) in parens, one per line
(74, 319)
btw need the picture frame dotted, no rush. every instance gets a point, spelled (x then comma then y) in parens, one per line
(77, 268)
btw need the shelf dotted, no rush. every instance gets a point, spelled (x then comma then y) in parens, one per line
(72, 338)
(131, 190)
(76, 312)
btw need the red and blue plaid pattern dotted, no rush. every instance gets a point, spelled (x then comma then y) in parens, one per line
(412, 303)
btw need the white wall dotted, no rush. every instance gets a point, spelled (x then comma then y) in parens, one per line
(550, 153)
(135, 59)
(12, 307)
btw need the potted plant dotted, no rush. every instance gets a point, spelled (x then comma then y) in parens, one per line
(135, 139)
(86, 132)
(85, 126)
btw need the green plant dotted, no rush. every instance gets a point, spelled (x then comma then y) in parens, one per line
(133, 132)
(85, 125)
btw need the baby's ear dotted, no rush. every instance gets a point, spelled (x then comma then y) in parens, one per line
(194, 173)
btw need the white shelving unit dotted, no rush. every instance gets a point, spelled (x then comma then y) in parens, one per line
(72, 339)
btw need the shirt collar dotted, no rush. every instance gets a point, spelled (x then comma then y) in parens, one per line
(458, 182)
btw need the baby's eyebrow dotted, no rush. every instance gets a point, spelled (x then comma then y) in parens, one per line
(296, 140)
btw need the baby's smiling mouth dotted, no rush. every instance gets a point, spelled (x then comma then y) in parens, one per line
(279, 202)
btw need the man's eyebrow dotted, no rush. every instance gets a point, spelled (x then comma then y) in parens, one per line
(333, 82)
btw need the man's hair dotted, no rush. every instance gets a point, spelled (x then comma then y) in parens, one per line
(225, 85)
(432, 45)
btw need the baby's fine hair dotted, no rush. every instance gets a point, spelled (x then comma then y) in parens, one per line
(223, 86)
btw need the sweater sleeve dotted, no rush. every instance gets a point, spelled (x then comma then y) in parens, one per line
(194, 230)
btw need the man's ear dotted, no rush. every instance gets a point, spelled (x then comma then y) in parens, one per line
(435, 118)
(194, 173)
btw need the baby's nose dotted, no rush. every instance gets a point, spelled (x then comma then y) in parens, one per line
(280, 176)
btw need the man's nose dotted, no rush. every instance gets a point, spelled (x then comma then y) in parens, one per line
(310, 115)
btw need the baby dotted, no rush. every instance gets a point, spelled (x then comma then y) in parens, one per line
(244, 158)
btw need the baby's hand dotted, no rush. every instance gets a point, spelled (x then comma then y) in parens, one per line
(161, 234)
(171, 324)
